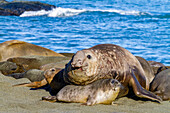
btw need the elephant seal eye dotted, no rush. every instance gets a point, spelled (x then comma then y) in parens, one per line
(89, 56)
(52, 69)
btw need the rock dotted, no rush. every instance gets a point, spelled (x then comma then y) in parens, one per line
(3, 1)
(16, 8)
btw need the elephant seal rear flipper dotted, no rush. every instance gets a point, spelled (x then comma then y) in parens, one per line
(140, 91)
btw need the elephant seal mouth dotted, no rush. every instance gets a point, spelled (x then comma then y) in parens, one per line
(82, 68)
(77, 75)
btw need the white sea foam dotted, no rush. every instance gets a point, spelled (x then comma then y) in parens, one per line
(65, 12)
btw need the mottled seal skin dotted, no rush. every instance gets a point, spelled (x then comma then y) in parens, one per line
(149, 74)
(16, 48)
(103, 91)
(108, 61)
(161, 84)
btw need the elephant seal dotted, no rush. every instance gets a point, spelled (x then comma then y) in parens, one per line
(48, 77)
(155, 64)
(16, 48)
(35, 62)
(161, 84)
(103, 91)
(149, 74)
(7, 68)
(32, 74)
(108, 61)
(157, 67)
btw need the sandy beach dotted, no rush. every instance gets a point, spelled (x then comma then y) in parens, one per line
(24, 100)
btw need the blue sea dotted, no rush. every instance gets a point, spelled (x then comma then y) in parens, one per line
(140, 26)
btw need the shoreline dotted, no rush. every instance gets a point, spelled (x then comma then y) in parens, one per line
(24, 100)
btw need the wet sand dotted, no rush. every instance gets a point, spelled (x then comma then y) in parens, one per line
(24, 100)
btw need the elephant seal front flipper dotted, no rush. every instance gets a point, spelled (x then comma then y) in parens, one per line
(36, 84)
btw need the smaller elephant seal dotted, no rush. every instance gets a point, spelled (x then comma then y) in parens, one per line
(157, 67)
(48, 74)
(7, 67)
(32, 74)
(155, 64)
(103, 91)
(161, 84)
(35, 62)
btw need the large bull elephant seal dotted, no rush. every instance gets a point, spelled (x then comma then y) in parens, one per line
(108, 61)
(16, 48)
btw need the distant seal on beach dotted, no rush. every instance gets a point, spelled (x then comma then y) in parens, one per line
(108, 61)
(161, 84)
(16, 48)
(103, 91)
(149, 74)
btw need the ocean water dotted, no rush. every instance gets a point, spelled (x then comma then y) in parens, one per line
(142, 26)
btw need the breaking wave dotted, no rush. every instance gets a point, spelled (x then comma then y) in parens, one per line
(66, 12)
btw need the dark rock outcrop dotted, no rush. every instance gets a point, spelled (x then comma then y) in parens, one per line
(18, 7)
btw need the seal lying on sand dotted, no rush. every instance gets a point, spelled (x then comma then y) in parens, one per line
(161, 84)
(16, 48)
(32, 74)
(108, 61)
(8, 67)
(36, 62)
(102, 91)
(48, 77)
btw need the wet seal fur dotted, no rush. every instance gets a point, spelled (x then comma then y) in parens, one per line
(108, 61)
(161, 84)
(103, 91)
